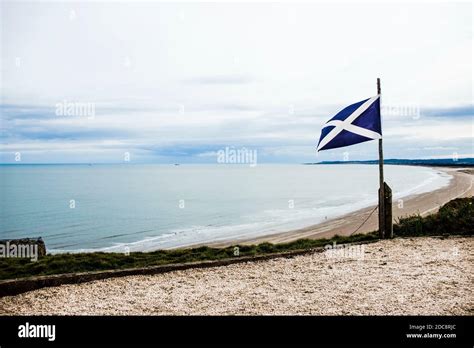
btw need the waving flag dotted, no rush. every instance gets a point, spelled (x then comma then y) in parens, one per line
(355, 124)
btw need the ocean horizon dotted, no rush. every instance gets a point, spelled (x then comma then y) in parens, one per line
(143, 207)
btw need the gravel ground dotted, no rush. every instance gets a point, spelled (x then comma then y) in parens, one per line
(421, 276)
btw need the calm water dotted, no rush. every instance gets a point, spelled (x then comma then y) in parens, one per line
(146, 207)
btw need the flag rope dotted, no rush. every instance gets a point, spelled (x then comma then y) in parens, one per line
(362, 224)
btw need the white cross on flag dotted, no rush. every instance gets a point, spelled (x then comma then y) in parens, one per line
(355, 124)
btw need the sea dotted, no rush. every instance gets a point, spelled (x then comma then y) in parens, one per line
(134, 207)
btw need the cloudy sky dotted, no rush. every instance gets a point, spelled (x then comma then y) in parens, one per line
(177, 82)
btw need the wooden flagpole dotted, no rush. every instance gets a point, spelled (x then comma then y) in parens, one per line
(381, 179)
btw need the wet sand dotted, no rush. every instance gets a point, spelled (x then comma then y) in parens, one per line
(416, 276)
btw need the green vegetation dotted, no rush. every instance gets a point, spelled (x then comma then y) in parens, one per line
(84, 262)
(456, 217)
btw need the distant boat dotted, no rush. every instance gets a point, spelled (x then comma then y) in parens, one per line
(176, 164)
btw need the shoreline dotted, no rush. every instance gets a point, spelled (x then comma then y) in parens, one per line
(461, 185)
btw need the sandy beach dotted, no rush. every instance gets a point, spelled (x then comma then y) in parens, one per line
(461, 185)
(416, 276)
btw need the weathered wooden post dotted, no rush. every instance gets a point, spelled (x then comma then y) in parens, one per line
(388, 211)
(385, 192)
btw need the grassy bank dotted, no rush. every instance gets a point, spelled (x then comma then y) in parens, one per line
(456, 217)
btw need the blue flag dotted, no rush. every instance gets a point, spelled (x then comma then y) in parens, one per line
(355, 124)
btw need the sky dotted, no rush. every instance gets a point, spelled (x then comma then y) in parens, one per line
(177, 82)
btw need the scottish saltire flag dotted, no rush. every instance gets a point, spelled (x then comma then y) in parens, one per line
(355, 124)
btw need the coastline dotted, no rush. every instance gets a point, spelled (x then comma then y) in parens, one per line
(344, 224)
(413, 268)
(461, 185)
